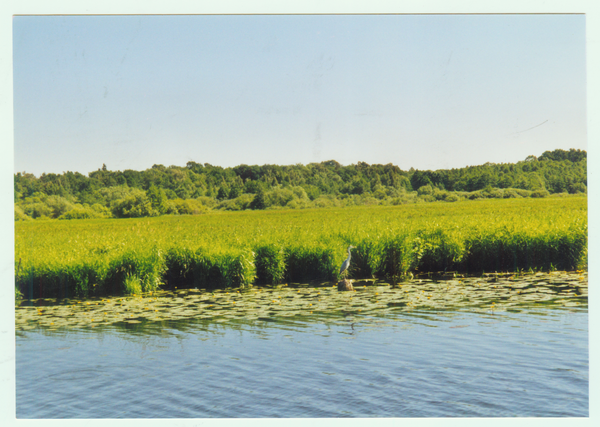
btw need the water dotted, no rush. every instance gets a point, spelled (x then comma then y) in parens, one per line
(531, 362)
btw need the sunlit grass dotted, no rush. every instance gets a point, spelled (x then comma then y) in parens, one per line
(125, 256)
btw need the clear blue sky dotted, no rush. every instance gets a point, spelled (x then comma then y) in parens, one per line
(422, 91)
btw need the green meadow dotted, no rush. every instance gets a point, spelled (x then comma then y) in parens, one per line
(95, 257)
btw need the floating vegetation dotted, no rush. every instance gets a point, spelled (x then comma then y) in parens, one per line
(488, 293)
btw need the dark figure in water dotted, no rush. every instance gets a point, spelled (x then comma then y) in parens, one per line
(345, 284)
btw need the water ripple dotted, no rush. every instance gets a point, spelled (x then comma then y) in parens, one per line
(424, 364)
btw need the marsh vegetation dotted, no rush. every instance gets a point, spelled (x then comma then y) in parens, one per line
(488, 294)
(87, 258)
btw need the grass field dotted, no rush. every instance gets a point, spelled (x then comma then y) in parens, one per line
(128, 256)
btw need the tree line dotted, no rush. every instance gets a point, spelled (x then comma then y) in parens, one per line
(196, 187)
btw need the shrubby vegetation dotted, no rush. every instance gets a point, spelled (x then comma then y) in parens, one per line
(197, 188)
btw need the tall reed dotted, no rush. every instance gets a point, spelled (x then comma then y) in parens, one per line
(270, 264)
(96, 257)
(305, 263)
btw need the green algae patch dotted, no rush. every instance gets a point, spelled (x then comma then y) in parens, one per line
(492, 292)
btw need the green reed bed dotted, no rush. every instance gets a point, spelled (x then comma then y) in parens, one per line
(130, 272)
(208, 268)
(270, 263)
(127, 256)
(306, 263)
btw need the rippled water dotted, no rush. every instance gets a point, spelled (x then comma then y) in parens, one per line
(422, 363)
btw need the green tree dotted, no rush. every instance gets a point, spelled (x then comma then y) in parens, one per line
(259, 201)
(223, 193)
(158, 199)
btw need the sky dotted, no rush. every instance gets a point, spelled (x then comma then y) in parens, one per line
(421, 91)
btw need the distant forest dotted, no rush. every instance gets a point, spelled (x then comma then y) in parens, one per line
(197, 188)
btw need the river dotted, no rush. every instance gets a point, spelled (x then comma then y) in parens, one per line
(425, 349)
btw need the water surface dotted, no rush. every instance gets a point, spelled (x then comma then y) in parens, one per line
(527, 360)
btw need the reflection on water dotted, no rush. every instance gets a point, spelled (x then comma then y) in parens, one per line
(400, 363)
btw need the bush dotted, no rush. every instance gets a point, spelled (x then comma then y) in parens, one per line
(206, 201)
(492, 193)
(110, 195)
(184, 207)
(134, 206)
(577, 188)
(521, 192)
(380, 193)
(59, 205)
(279, 197)
(475, 195)
(510, 193)
(80, 212)
(453, 197)
(300, 193)
(425, 190)
(402, 198)
(367, 200)
(37, 210)
(440, 194)
(326, 201)
(103, 211)
(298, 204)
(427, 198)
(20, 215)
(240, 203)
(540, 193)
